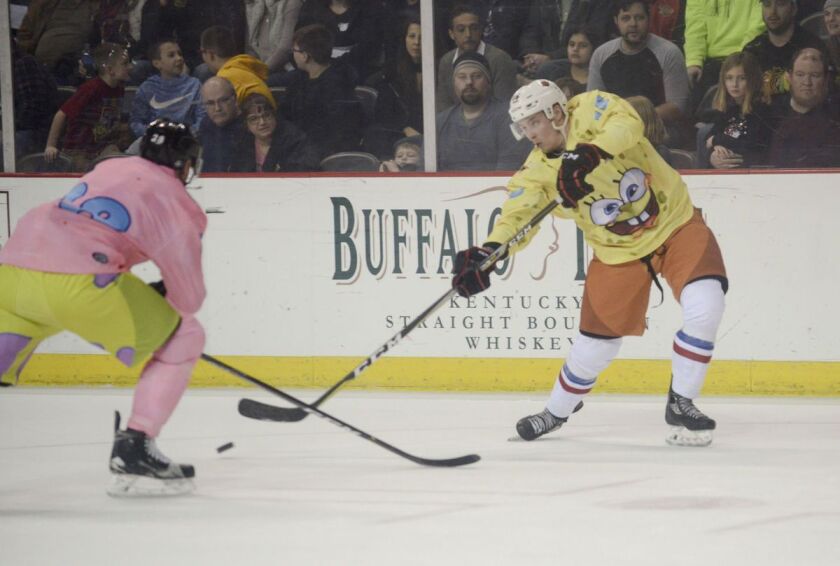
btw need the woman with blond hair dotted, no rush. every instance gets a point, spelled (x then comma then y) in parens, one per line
(743, 126)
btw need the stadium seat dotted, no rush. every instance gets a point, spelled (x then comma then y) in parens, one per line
(279, 94)
(367, 96)
(128, 99)
(815, 23)
(35, 163)
(350, 161)
(64, 94)
(704, 109)
(682, 159)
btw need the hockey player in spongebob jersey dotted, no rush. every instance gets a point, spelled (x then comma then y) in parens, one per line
(635, 212)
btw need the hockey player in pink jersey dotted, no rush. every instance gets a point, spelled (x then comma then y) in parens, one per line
(67, 267)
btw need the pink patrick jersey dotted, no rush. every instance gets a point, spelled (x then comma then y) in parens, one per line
(126, 211)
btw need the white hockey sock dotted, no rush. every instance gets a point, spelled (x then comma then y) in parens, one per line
(702, 303)
(587, 359)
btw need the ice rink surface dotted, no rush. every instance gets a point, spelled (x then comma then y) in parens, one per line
(604, 490)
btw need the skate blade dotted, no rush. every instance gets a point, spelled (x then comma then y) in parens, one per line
(127, 485)
(681, 436)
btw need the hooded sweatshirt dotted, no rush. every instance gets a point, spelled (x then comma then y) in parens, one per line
(178, 99)
(717, 28)
(247, 74)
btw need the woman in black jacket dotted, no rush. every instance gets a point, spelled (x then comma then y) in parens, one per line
(399, 105)
(273, 144)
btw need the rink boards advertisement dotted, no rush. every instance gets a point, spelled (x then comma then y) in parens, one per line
(308, 275)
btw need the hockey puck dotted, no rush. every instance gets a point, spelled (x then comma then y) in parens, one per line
(224, 447)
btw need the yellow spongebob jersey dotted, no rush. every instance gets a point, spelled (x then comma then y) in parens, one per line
(638, 199)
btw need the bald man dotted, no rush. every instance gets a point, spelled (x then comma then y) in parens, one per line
(223, 128)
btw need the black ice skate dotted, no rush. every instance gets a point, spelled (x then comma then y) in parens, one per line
(139, 468)
(689, 426)
(542, 423)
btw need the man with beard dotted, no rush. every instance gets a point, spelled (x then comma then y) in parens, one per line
(775, 47)
(465, 30)
(474, 135)
(640, 63)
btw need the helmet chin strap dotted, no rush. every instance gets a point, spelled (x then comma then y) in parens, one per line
(562, 128)
(191, 171)
(187, 173)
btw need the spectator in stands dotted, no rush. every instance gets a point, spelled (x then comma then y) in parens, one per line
(807, 135)
(111, 24)
(551, 23)
(831, 15)
(642, 64)
(667, 20)
(208, 13)
(271, 25)
(715, 29)
(36, 100)
(475, 134)
(574, 61)
(395, 13)
(743, 127)
(186, 20)
(92, 115)
(504, 22)
(246, 73)
(171, 94)
(223, 129)
(654, 127)
(130, 21)
(408, 156)
(775, 47)
(56, 31)
(355, 28)
(399, 104)
(275, 144)
(320, 97)
(465, 31)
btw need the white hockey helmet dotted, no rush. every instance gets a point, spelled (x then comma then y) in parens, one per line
(538, 96)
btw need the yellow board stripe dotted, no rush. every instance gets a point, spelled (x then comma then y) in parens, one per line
(726, 377)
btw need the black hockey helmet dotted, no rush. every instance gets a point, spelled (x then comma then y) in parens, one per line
(171, 144)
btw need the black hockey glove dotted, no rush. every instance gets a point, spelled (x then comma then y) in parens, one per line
(159, 287)
(575, 166)
(468, 279)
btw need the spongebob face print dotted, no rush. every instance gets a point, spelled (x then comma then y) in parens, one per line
(634, 210)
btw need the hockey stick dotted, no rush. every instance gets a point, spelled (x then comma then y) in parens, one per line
(266, 412)
(310, 409)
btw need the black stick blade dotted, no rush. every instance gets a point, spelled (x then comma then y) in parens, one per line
(447, 463)
(265, 412)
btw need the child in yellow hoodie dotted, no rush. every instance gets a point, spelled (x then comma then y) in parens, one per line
(247, 74)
